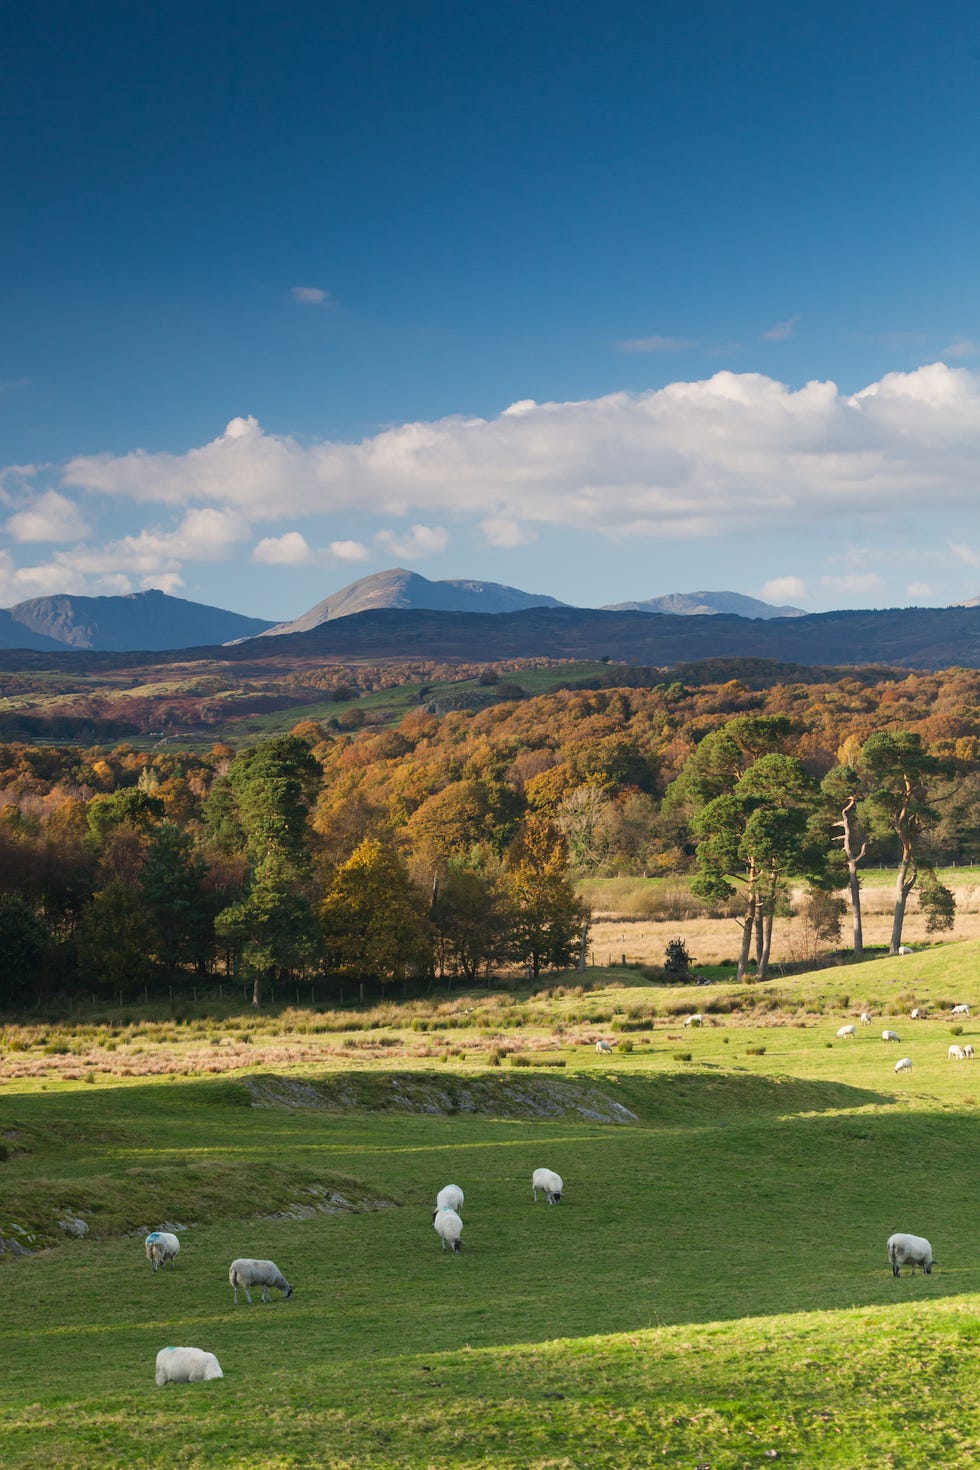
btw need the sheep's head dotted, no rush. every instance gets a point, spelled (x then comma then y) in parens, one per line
(288, 1291)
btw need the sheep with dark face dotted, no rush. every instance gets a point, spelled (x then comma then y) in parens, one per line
(549, 1183)
(247, 1272)
(161, 1246)
(909, 1250)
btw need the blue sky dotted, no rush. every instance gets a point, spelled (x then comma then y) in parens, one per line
(274, 278)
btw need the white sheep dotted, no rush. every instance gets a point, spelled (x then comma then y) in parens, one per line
(968, 1051)
(696, 1020)
(549, 1183)
(960, 1011)
(890, 1036)
(448, 1226)
(956, 1054)
(186, 1365)
(603, 1046)
(865, 1018)
(904, 1065)
(161, 1247)
(909, 1250)
(904, 949)
(450, 1197)
(918, 1013)
(844, 1031)
(246, 1272)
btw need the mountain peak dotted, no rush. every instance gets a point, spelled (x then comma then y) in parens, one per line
(399, 588)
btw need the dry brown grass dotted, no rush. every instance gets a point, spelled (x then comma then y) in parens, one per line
(712, 941)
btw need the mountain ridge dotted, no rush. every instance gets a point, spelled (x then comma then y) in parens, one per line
(151, 621)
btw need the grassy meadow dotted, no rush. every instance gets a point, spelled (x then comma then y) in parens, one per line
(711, 1291)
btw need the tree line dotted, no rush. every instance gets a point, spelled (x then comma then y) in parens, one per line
(450, 846)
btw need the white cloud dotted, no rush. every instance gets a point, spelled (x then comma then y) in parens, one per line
(962, 347)
(656, 344)
(415, 543)
(499, 531)
(779, 331)
(310, 295)
(349, 550)
(781, 590)
(919, 592)
(690, 460)
(857, 584)
(965, 553)
(290, 550)
(52, 517)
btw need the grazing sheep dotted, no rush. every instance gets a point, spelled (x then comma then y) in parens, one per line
(447, 1224)
(960, 1011)
(696, 1020)
(909, 1250)
(890, 1036)
(186, 1365)
(246, 1272)
(904, 949)
(549, 1183)
(603, 1046)
(845, 1031)
(161, 1247)
(968, 1051)
(865, 1018)
(956, 1054)
(450, 1197)
(918, 1014)
(905, 1065)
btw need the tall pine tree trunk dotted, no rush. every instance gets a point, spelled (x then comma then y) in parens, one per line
(748, 929)
(903, 887)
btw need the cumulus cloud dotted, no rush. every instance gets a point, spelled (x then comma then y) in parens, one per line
(415, 543)
(310, 295)
(51, 517)
(290, 550)
(508, 534)
(349, 550)
(784, 590)
(692, 459)
(779, 331)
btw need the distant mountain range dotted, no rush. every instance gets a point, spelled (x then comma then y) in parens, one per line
(148, 621)
(407, 590)
(154, 621)
(398, 614)
(707, 604)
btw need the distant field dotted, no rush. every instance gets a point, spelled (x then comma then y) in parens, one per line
(637, 917)
(712, 1287)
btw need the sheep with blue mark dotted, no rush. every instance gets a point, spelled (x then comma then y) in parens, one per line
(161, 1246)
(186, 1365)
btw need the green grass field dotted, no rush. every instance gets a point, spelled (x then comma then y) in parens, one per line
(712, 1290)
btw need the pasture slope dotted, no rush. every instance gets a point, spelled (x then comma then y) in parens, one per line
(712, 1290)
